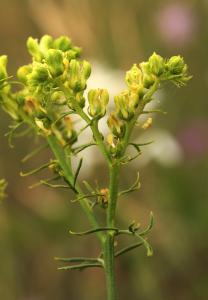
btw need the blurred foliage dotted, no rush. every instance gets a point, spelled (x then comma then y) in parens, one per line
(34, 223)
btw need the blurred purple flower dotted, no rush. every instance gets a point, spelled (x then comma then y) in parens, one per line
(176, 23)
(194, 140)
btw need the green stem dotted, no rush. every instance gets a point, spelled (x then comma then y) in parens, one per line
(109, 257)
(139, 111)
(92, 123)
(114, 167)
(65, 164)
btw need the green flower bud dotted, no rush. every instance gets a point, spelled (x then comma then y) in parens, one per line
(145, 67)
(71, 54)
(39, 74)
(148, 81)
(34, 49)
(23, 72)
(80, 99)
(46, 43)
(58, 97)
(54, 60)
(78, 74)
(98, 100)
(42, 125)
(126, 103)
(3, 66)
(176, 65)
(78, 50)
(116, 126)
(133, 76)
(156, 64)
(86, 67)
(63, 43)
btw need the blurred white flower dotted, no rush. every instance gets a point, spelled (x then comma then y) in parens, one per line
(165, 149)
(107, 78)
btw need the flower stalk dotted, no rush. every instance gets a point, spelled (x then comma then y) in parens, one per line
(51, 91)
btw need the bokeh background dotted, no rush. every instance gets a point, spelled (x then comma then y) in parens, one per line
(174, 176)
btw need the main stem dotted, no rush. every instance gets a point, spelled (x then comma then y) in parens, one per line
(108, 247)
(114, 167)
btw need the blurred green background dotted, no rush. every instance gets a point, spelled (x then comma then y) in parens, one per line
(34, 223)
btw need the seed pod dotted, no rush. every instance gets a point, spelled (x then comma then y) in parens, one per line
(98, 100)
(54, 60)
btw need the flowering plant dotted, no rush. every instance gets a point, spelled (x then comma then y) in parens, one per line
(52, 90)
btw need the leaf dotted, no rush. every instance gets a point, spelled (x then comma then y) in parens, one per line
(77, 171)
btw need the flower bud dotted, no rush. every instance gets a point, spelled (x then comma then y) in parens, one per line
(86, 67)
(69, 133)
(147, 123)
(38, 75)
(46, 43)
(78, 74)
(3, 65)
(148, 81)
(116, 126)
(63, 43)
(110, 141)
(126, 103)
(23, 72)
(42, 126)
(176, 65)
(54, 60)
(78, 50)
(71, 54)
(33, 48)
(80, 99)
(133, 76)
(156, 64)
(98, 100)
(58, 97)
(31, 106)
